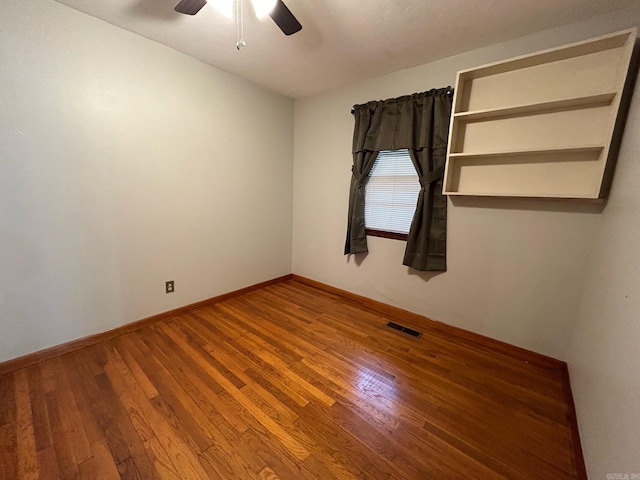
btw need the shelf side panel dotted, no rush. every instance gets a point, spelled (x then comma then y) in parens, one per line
(627, 74)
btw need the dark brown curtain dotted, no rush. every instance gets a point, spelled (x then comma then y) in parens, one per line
(356, 236)
(420, 123)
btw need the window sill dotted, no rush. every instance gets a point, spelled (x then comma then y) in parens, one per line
(383, 234)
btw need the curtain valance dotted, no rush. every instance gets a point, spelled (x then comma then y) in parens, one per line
(404, 122)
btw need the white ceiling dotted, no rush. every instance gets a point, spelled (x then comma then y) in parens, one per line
(342, 41)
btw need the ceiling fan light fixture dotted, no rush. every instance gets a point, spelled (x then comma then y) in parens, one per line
(276, 9)
(262, 8)
(225, 7)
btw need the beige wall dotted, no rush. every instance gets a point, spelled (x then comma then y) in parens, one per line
(124, 164)
(604, 353)
(516, 267)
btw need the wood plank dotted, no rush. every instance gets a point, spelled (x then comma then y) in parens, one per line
(39, 412)
(197, 384)
(71, 421)
(27, 457)
(8, 447)
(7, 400)
(48, 462)
(171, 456)
(294, 447)
(223, 357)
(67, 464)
(138, 459)
(100, 466)
(81, 371)
(267, 474)
(294, 381)
(127, 400)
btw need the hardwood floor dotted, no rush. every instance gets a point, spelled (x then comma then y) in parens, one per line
(286, 382)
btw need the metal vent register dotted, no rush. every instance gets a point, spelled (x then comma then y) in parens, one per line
(403, 329)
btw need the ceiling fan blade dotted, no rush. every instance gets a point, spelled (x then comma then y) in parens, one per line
(190, 7)
(285, 19)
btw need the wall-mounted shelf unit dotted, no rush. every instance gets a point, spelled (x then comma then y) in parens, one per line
(541, 125)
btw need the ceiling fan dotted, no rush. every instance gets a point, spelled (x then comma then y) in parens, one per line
(276, 9)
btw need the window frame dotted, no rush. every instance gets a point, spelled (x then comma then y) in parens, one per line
(384, 234)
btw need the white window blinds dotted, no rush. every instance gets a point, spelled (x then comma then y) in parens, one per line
(391, 193)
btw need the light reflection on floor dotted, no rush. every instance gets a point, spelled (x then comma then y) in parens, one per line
(368, 382)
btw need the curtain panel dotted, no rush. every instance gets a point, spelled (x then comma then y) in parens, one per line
(419, 123)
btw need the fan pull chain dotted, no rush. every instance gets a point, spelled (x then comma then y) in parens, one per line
(240, 25)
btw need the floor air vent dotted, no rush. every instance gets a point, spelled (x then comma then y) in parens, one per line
(403, 329)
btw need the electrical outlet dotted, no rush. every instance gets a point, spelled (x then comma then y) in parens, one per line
(169, 287)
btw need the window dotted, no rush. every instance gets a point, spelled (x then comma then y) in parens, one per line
(391, 195)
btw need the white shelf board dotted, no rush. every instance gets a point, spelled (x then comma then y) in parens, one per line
(578, 49)
(511, 195)
(538, 107)
(536, 151)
